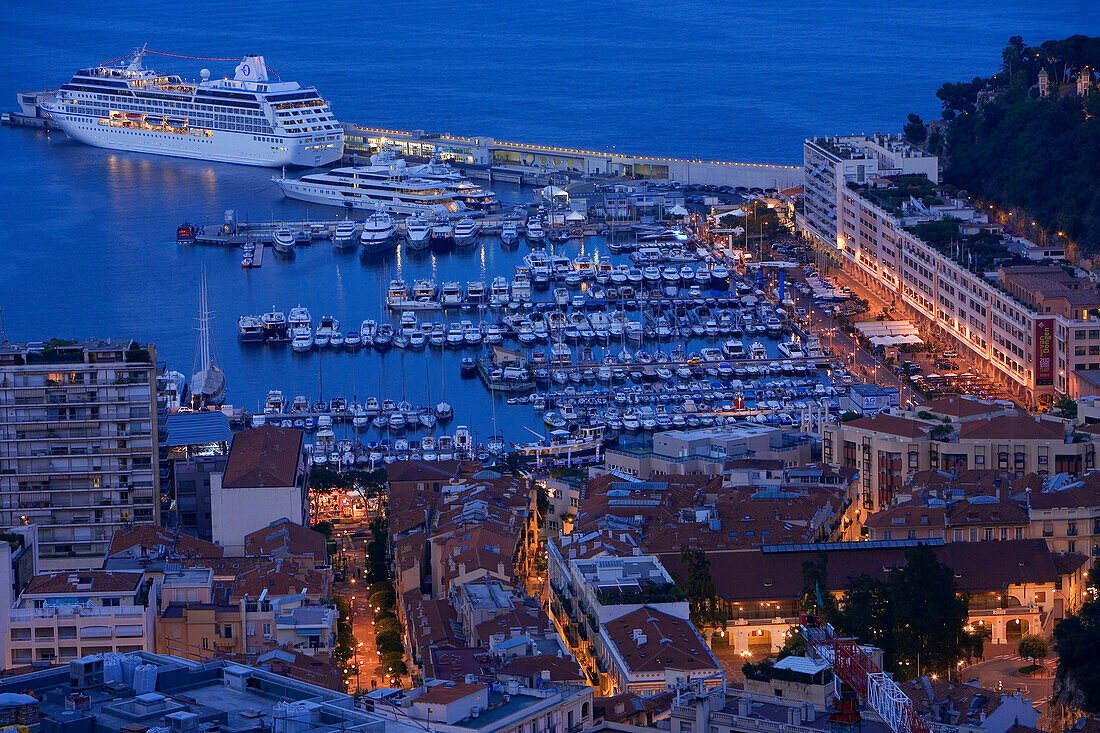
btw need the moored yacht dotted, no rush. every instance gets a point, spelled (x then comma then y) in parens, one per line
(346, 235)
(465, 232)
(283, 241)
(386, 186)
(509, 233)
(535, 233)
(378, 233)
(418, 233)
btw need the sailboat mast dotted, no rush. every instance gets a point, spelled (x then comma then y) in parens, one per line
(204, 324)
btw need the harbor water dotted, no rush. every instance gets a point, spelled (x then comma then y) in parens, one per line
(87, 235)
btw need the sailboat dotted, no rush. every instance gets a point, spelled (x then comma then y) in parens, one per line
(443, 410)
(208, 381)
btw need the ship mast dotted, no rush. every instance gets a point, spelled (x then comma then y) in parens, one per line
(204, 325)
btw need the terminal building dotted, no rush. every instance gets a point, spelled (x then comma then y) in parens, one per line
(873, 205)
(526, 162)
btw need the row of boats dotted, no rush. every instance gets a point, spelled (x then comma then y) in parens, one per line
(547, 323)
(380, 414)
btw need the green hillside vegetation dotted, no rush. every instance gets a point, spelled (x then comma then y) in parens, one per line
(1036, 156)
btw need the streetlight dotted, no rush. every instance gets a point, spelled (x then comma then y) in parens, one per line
(357, 665)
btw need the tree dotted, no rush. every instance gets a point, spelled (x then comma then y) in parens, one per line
(1066, 407)
(1033, 647)
(387, 624)
(324, 528)
(915, 616)
(815, 596)
(383, 599)
(1077, 641)
(915, 131)
(929, 614)
(698, 586)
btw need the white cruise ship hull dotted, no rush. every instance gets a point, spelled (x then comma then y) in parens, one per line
(315, 194)
(221, 145)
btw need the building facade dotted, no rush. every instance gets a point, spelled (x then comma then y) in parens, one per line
(1033, 327)
(78, 444)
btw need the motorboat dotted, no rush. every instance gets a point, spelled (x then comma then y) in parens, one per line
(465, 232)
(443, 233)
(345, 235)
(250, 330)
(378, 233)
(418, 233)
(509, 233)
(535, 233)
(283, 241)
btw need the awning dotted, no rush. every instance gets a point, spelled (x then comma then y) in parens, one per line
(678, 211)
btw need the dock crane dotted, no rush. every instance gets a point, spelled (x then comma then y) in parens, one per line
(853, 666)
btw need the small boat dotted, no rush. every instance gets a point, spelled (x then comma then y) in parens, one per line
(283, 241)
(345, 235)
(535, 233)
(418, 234)
(509, 233)
(250, 329)
(186, 231)
(443, 234)
(378, 233)
(465, 233)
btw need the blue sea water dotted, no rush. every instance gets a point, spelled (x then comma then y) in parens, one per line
(86, 234)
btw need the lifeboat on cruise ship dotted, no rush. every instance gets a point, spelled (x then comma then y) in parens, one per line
(154, 121)
(176, 122)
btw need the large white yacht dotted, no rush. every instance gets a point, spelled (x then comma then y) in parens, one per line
(465, 190)
(385, 185)
(249, 119)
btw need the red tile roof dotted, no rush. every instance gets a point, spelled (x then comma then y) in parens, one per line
(961, 407)
(561, 669)
(980, 567)
(155, 540)
(263, 457)
(891, 425)
(444, 694)
(649, 640)
(284, 537)
(1012, 427)
(84, 582)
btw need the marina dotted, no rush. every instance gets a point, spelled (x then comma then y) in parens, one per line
(392, 279)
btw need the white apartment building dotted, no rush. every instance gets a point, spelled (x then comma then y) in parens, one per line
(831, 162)
(78, 444)
(64, 616)
(1034, 327)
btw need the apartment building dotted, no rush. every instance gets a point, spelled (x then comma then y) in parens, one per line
(887, 449)
(266, 472)
(475, 707)
(830, 163)
(78, 444)
(64, 616)
(647, 651)
(1032, 326)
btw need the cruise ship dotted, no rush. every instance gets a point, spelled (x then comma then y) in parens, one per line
(386, 185)
(249, 119)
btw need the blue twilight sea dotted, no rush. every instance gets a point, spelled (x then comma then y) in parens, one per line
(86, 235)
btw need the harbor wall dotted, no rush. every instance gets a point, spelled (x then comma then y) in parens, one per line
(545, 159)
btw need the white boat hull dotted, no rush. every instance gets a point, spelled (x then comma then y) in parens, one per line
(314, 194)
(221, 145)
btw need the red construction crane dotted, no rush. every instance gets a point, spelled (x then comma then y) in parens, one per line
(855, 667)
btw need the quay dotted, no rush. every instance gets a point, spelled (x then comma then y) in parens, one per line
(514, 162)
